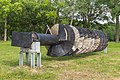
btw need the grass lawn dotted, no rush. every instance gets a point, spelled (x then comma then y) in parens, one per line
(90, 66)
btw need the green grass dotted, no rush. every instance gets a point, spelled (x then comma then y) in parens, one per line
(91, 66)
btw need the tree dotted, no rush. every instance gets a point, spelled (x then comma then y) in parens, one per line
(84, 13)
(5, 8)
(32, 15)
(91, 12)
(114, 6)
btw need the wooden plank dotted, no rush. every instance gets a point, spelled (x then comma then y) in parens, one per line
(27, 58)
(21, 59)
(62, 33)
(39, 60)
(32, 60)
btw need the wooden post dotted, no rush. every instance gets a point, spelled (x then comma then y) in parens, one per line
(35, 48)
(32, 60)
(21, 59)
(27, 58)
(39, 60)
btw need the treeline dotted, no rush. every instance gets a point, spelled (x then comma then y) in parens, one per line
(34, 15)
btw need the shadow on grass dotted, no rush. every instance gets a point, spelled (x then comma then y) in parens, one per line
(69, 57)
(14, 63)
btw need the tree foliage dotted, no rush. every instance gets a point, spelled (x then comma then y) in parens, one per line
(34, 15)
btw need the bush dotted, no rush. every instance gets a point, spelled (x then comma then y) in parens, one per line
(110, 32)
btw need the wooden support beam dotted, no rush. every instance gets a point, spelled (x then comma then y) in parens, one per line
(32, 60)
(39, 60)
(21, 59)
(27, 58)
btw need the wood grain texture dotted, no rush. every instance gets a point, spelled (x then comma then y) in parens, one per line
(74, 40)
